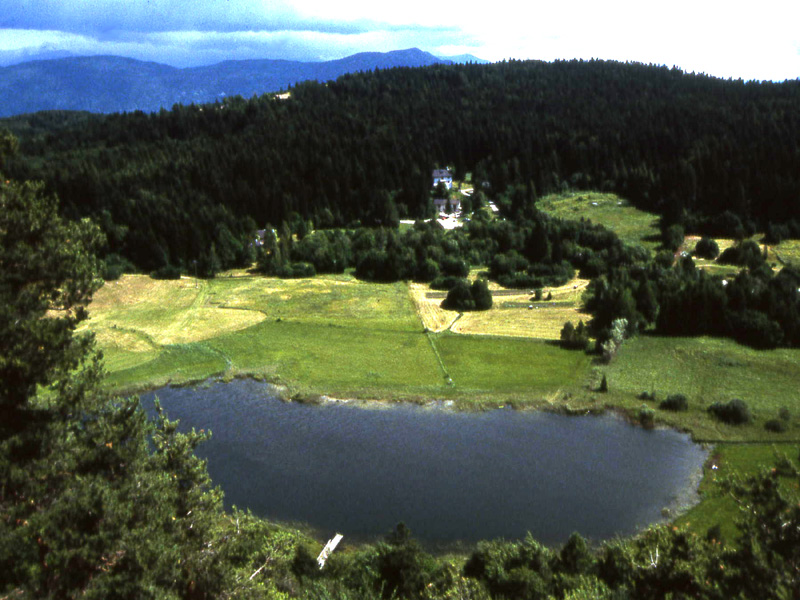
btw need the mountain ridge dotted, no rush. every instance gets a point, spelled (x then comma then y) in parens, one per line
(108, 84)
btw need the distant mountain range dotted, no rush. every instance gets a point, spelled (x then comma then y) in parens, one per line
(106, 84)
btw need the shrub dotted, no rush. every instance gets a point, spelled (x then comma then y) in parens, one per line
(481, 295)
(459, 297)
(463, 296)
(734, 412)
(576, 338)
(645, 395)
(646, 416)
(707, 248)
(604, 384)
(746, 254)
(754, 328)
(675, 402)
(297, 270)
(166, 272)
(776, 426)
(114, 266)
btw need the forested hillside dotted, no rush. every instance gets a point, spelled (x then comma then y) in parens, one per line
(710, 153)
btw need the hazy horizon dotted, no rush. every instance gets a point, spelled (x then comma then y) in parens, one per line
(705, 36)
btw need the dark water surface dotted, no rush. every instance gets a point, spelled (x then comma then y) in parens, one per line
(449, 476)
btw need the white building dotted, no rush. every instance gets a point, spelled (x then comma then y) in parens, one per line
(443, 175)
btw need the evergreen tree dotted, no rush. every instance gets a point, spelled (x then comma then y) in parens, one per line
(96, 501)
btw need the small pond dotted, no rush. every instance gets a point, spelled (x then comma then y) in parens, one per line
(451, 477)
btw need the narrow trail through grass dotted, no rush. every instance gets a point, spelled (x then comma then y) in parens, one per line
(445, 374)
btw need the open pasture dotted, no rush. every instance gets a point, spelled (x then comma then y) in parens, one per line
(632, 225)
(518, 370)
(519, 315)
(731, 462)
(429, 308)
(331, 335)
(514, 312)
(708, 370)
(788, 253)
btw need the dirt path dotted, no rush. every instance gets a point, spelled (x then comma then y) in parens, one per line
(434, 318)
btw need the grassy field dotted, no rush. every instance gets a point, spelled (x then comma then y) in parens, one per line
(516, 370)
(330, 335)
(518, 315)
(514, 313)
(731, 462)
(338, 336)
(788, 252)
(708, 370)
(632, 225)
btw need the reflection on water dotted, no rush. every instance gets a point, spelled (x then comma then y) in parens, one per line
(449, 476)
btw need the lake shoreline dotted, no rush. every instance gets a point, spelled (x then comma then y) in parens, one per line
(260, 395)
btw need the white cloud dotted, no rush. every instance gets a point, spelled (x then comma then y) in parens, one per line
(754, 40)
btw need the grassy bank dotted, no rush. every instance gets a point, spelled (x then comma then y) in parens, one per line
(731, 462)
(708, 370)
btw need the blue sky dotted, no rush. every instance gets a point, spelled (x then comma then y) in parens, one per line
(731, 38)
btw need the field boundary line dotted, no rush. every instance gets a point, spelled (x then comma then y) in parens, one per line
(439, 359)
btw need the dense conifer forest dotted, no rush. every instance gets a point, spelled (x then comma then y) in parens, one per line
(710, 154)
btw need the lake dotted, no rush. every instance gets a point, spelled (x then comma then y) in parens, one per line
(449, 476)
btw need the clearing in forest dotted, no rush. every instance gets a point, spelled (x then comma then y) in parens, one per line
(633, 226)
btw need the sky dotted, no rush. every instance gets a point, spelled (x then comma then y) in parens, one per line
(731, 38)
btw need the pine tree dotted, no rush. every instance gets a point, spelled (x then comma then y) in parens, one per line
(96, 501)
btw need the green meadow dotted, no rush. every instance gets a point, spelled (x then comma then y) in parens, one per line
(729, 463)
(330, 335)
(788, 252)
(708, 370)
(633, 226)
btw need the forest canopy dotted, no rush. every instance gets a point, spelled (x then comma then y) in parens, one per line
(713, 155)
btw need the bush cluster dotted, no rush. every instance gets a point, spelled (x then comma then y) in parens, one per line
(576, 338)
(707, 248)
(675, 402)
(463, 296)
(296, 270)
(646, 416)
(776, 426)
(166, 272)
(734, 412)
